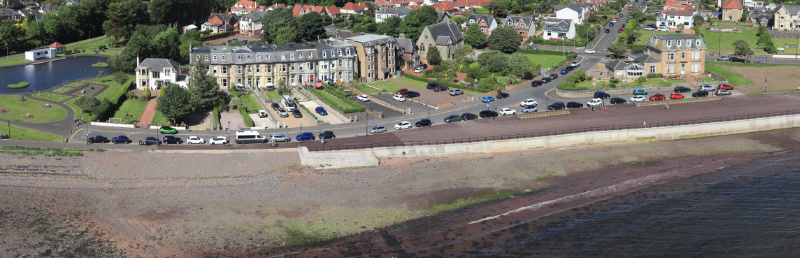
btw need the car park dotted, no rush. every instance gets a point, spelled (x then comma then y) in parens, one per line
(556, 106)
(282, 112)
(700, 93)
(297, 113)
(594, 102)
(321, 111)
(681, 89)
(657, 97)
(564, 70)
(166, 129)
(279, 138)
(536, 83)
(637, 98)
(399, 97)
(97, 139)
(507, 111)
(546, 79)
(601, 95)
(403, 125)
(440, 88)
(327, 135)
(529, 109)
(616, 100)
(377, 129)
(468, 116)
(276, 106)
(528, 102)
(411, 94)
(676, 95)
(725, 87)
(573, 104)
(262, 113)
(423, 122)
(454, 92)
(150, 141)
(452, 118)
(363, 98)
(121, 139)
(589, 51)
(707, 87)
(219, 140)
(487, 114)
(639, 92)
(401, 92)
(502, 95)
(306, 136)
(724, 58)
(169, 139)
(431, 85)
(195, 140)
(487, 99)
(723, 92)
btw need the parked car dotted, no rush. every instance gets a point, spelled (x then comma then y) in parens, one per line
(321, 111)
(564, 70)
(657, 97)
(529, 109)
(401, 92)
(707, 87)
(454, 92)
(601, 95)
(639, 92)
(675, 95)
(502, 95)
(487, 114)
(546, 79)
(589, 51)
(97, 139)
(327, 135)
(620, 30)
(452, 118)
(573, 104)
(306, 136)
(607, 30)
(121, 139)
(424, 66)
(195, 140)
(594, 102)
(423, 122)
(418, 70)
(169, 139)
(575, 63)
(725, 87)
(528, 102)
(487, 99)
(700, 93)
(507, 111)
(532, 47)
(411, 94)
(663, 28)
(363, 98)
(468, 116)
(377, 129)
(723, 92)
(649, 28)
(219, 140)
(282, 112)
(440, 88)
(617, 100)
(150, 141)
(637, 98)
(166, 129)
(279, 137)
(611, 24)
(403, 125)
(431, 85)
(262, 113)
(399, 97)
(725, 58)
(556, 106)
(276, 106)
(297, 114)
(681, 89)
(553, 76)
(536, 83)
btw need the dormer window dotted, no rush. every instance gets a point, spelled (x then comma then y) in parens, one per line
(697, 42)
(206, 58)
(291, 55)
(258, 57)
(239, 57)
(249, 57)
(669, 43)
(267, 57)
(348, 51)
(283, 56)
(688, 42)
(310, 55)
(679, 43)
(324, 54)
(197, 58)
(339, 52)
(301, 55)
(223, 57)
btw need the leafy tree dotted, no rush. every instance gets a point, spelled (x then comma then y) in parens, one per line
(390, 26)
(417, 20)
(434, 57)
(174, 104)
(622, 37)
(458, 20)
(475, 37)
(9, 35)
(698, 20)
(618, 49)
(204, 89)
(122, 18)
(272, 21)
(163, 11)
(151, 41)
(94, 106)
(236, 103)
(504, 39)
(495, 61)
(147, 93)
(120, 78)
(497, 8)
(282, 89)
(311, 26)
(284, 33)
(641, 80)
(518, 64)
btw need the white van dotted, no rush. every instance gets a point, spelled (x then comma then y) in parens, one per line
(288, 103)
(245, 137)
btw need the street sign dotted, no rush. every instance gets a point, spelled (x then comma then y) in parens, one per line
(87, 131)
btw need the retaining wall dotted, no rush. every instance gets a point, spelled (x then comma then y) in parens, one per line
(663, 88)
(112, 125)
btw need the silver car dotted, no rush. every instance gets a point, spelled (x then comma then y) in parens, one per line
(279, 137)
(283, 112)
(724, 58)
(377, 129)
(723, 92)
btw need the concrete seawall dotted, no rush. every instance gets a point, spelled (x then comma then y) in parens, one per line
(365, 157)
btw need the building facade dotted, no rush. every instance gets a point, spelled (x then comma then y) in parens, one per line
(673, 19)
(731, 10)
(486, 22)
(679, 54)
(524, 26)
(787, 17)
(155, 73)
(377, 57)
(558, 29)
(444, 36)
(250, 23)
(384, 13)
(571, 12)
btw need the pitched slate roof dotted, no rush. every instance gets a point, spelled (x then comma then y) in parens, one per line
(558, 25)
(478, 16)
(791, 9)
(514, 20)
(575, 8)
(405, 44)
(158, 64)
(225, 17)
(615, 65)
(646, 59)
(669, 42)
(399, 11)
(448, 30)
(255, 16)
(679, 13)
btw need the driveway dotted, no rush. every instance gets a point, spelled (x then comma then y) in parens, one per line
(232, 120)
(405, 105)
(330, 118)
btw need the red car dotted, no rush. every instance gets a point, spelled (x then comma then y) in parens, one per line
(725, 87)
(657, 97)
(676, 95)
(616, 19)
(620, 30)
(629, 7)
(401, 92)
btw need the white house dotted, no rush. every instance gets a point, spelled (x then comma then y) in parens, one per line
(158, 72)
(37, 54)
(672, 19)
(250, 23)
(384, 13)
(571, 12)
(558, 29)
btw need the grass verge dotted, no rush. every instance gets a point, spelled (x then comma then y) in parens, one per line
(472, 200)
(340, 103)
(733, 78)
(51, 96)
(273, 95)
(159, 119)
(250, 104)
(78, 110)
(15, 110)
(20, 133)
(771, 91)
(13, 60)
(130, 111)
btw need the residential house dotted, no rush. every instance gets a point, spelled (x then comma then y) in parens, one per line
(571, 12)
(679, 5)
(250, 23)
(155, 73)
(9, 3)
(245, 6)
(37, 54)
(377, 56)
(27, 12)
(558, 29)
(524, 26)
(406, 50)
(787, 17)
(384, 13)
(221, 22)
(763, 18)
(276, 6)
(50, 8)
(754, 4)
(383, 3)
(444, 7)
(486, 22)
(300, 10)
(8, 14)
(58, 48)
(442, 16)
(673, 19)
(70, 2)
(353, 8)
(731, 10)
(680, 54)
(444, 36)
(266, 66)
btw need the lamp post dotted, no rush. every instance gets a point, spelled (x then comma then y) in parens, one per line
(797, 44)
(366, 124)
(9, 128)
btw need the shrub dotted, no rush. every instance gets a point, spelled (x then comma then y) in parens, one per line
(527, 76)
(655, 75)
(449, 85)
(247, 120)
(641, 80)
(236, 103)
(216, 116)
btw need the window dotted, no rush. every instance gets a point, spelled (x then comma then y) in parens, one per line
(338, 52)
(291, 68)
(258, 57)
(142, 71)
(695, 68)
(300, 67)
(324, 65)
(697, 42)
(283, 56)
(679, 43)
(215, 57)
(683, 55)
(206, 57)
(269, 79)
(215, 68)
(695, 55)
(291, 56)
(223, 57)
(267, 57)
(167, 72)
(283, 68)
(156, 75)
(669, 43)
(269, 68)
(224, 70)
(239, 69)
(310, 55)
(301, 55)
(249, 69)
(671, 56)
(348, 51)
(671, 69)
(224, 82)
(652, 69)
(324, 54)
(340, 62)
(310, 66)
(197, 58)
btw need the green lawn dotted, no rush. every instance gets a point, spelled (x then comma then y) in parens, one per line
(20, 133)
(15, 110)
(112, 93)
(723, 42)
(547, 61)
(336, 101)
(604, 84)
(13, 60)
(51, 96)
(78, 110)
(383, 86)
(93, 46)
(250, 104)
(73, 44)
(62, 89)
(733, 78)
(159, 119)
(412, 82)
(273, 95)
(131, 110)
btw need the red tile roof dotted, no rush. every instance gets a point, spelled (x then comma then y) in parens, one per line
(56, 45)
(444, 6)
(355, 7)
(247, 5)
(731, 4)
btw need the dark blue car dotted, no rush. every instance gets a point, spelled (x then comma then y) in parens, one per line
(150, 141)
(307, 136)
(601, 95)
(121, 139)
(321, 111)
(3, 136)
(172, 140)
(564, 70)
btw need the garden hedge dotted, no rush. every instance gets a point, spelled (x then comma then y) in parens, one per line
(355, 107)
(247, 120)
(443, 83)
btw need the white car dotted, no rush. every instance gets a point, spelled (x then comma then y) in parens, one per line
(637, 98)
(663, 28)
(575, 64)
(262, 113)
(363, 98)
(589, 51)
(279, 137)
(528, 102)
(594, 102)
(399, 97)
(219, 140)
(418, 70)
(195, 140)
(403, 125)
(507, 111)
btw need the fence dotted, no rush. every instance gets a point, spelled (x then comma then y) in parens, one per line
(628, 89)
(548, 133)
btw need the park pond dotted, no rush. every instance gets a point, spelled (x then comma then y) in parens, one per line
(47, 75)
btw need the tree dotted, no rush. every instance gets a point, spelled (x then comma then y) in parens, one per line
(495, 61)
(434, 57)
(122, 18)
(475, 37)
(272, 21)
(147, 93)
(120, 78)
(204, 89)
(163, 11)
(698, 20)
(311, 26)
(504, 39)
(174, 103)
(390, 26)
(9, 35)
(518, 64)
(497, 8)
(236, 103)
(618, 49)
(417, 20)
(641, 80)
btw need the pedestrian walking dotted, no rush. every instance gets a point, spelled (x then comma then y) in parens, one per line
(643, 124)
(322, 139)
